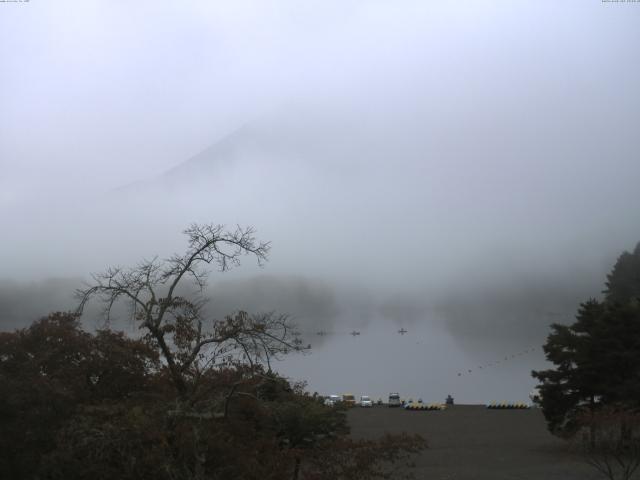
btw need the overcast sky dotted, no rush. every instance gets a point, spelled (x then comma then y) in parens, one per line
(408, 160)
(95, 94)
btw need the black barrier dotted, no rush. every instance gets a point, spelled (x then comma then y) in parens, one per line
(508, 406)
(425, 406)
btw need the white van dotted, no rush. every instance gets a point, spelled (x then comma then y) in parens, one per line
(365, 401)
(394, 400)
(332, 400)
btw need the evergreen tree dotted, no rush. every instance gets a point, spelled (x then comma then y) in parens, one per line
(575, 380)
(597, 358)
(623, 283)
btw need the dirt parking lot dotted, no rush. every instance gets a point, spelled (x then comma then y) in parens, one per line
(471, 442)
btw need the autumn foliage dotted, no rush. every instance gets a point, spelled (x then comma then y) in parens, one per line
(80, 405)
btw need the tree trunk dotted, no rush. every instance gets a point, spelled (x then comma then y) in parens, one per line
(199, 457)
(592, 425)
(176, 375)
(296, 469)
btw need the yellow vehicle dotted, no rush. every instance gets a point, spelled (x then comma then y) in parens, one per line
(349, 399)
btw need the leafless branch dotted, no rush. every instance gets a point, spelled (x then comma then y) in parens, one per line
(176, 324)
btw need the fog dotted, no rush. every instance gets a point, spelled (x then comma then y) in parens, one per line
(464, 170)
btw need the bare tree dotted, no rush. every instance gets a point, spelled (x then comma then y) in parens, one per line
(610, 442)
(176, 324)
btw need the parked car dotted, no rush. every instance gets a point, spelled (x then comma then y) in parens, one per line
(394, 400)
(349, 399)
(332, 400)
(365, 401)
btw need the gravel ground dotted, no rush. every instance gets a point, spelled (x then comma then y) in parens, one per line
(470, 442)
